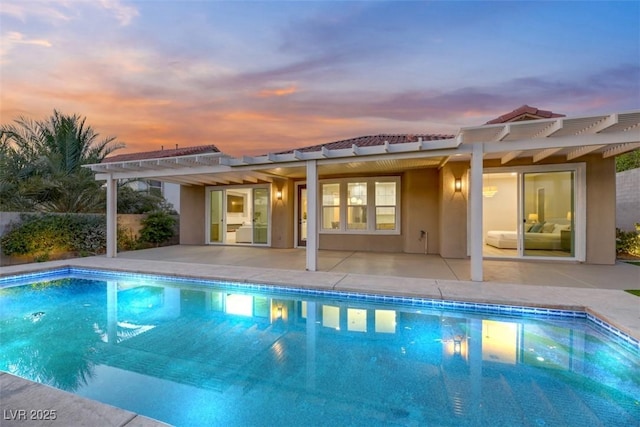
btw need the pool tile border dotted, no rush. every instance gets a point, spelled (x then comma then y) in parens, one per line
(471, 307)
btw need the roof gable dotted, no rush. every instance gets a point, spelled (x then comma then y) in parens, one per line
(524, 113)
(159, 154)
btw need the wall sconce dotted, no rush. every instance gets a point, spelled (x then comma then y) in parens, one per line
(458, 185)
(279, 194)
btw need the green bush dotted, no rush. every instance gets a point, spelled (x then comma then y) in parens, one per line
(41, 235)
(157, 228)
(628, 242)
(35, 235)
(87, 234)
(127, 240)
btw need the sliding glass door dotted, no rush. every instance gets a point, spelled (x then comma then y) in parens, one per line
(532, 212)
(238, 215)
(216, 217)
(260, 215)
(548, 206)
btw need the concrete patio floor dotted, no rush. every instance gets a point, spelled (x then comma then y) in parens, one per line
(541, 273)
(597, 289)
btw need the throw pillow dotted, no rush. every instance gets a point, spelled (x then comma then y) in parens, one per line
(548, 227)
(536, 228)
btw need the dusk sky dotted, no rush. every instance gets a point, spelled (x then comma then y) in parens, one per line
(256, 77)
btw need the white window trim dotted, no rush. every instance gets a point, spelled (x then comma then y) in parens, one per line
(371, 206)
(580, 206)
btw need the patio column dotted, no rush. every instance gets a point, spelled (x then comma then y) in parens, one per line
(112, 217)
(312, 215)
(475, 212)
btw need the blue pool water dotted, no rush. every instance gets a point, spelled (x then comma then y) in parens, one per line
(193, 354)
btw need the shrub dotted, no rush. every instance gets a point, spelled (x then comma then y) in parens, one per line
(628, 242)
(157, 228)
(36, 235)
(87, 234)
(127, 240)
(41, 235)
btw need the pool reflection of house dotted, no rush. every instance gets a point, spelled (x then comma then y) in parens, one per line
(530, 184)
(232, 339)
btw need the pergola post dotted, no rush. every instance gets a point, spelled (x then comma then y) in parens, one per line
(112, 217)
(312, 215)
(475, 211)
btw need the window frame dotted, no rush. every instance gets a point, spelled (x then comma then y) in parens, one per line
(370, 206)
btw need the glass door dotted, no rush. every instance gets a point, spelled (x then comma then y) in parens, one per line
(548, 214)
(500, 214)
(238, 215)
(260, 215)
(302, 215)
(216, 217)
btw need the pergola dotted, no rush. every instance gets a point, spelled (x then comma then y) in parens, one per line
(608, 135)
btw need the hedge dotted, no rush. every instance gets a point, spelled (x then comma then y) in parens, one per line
(41, 235)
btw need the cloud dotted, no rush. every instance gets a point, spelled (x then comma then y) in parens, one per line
(122, 12)
(9, 41)
(15, 37)
(49, 11)
(283, 91)
(60, 11)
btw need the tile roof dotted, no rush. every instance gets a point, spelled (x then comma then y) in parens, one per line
(158, 154)
(371, 140)
(524, 113)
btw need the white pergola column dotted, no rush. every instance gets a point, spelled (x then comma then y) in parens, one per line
(112, 217)
(312, 215)
(475, 211)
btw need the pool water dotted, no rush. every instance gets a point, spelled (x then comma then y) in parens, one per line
(190, 354)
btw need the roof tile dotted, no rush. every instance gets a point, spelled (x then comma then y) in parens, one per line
(524, 113)
(158, 154)
(370, 141)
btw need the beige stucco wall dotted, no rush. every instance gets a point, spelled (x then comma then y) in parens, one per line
(361, 242)
(421, 211)
(453, 210)
(601, 210)
(282, 214)
(192, 215)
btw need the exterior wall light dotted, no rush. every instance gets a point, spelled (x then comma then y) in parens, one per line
(458, 185)
(279, 194)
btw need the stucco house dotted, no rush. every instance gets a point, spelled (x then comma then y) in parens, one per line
(530, 184)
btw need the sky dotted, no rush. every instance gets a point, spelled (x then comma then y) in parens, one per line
(263, 76)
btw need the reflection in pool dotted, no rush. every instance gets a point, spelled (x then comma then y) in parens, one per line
(190, 354)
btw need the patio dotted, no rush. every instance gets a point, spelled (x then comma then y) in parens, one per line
(619, 276)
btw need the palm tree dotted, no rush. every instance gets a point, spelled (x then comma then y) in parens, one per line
(42, 164)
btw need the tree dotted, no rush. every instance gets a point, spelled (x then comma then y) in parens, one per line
(41, 164)
(628, 161)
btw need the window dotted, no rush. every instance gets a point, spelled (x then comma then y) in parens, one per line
(331, 206)
(357, 205)
(361, 205)
(385, 205)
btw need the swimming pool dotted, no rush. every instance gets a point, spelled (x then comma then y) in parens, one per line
(191, 352)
